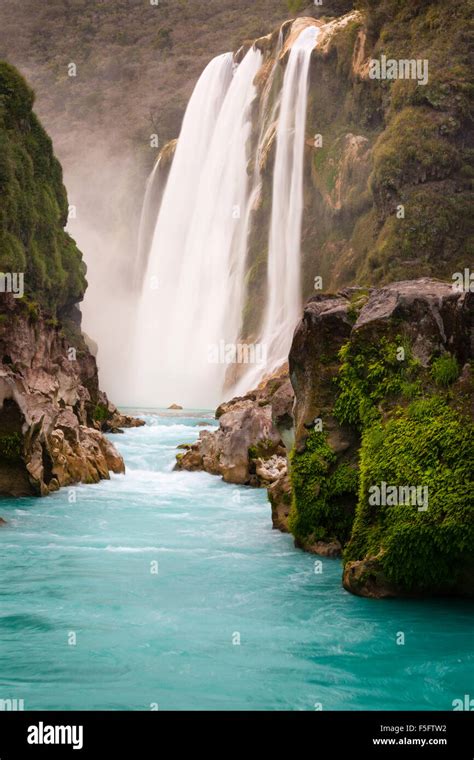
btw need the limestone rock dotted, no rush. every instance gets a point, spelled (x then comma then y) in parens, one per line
(247, 448)
(52, 413)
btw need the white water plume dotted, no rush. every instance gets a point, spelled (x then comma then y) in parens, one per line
(283, 306)
(146, 227)
(193, 289)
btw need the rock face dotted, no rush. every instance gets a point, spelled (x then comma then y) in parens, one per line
(324, 449)
(248, 447)
(388, 374)
(52, 414)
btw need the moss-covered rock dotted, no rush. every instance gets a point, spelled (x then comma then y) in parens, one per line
(423, 543)
(391, 402)
(33, 203)
(404, 202)
(324, 493)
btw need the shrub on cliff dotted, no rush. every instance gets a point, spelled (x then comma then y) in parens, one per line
(33, 203)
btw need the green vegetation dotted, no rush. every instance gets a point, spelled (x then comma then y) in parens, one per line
(33, 203)
(263, 449)
(410, 433)
(101, 413)
(11, 447)
(445, 370)
(164, 39)
(417, 155)
(427, 444)
(295, 6)
(324, 492)
(371, 376)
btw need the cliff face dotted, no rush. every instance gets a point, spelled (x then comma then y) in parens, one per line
(383, 436)
(388, 162)
(51, 409)
(388, 192)
(33, 204)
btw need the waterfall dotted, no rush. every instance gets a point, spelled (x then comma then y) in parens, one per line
(193, 289)
(153, 191)
(193, 293)
(283, 306)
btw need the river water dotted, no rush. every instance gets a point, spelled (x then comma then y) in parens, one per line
(135, 593)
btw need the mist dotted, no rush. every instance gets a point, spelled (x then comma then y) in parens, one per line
(105, 195)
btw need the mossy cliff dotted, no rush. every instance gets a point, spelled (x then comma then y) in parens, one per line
(33, 204)
(52, 412)
(389, 408)
(388, 193)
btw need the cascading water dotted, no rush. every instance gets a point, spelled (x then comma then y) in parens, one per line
(174, 214)
(283, 307)
(146, 227)
(193, 290)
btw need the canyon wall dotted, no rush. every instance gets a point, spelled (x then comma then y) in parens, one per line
(52, 412)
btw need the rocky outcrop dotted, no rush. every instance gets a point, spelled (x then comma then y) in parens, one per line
(279, 496)
(113, 420)
(248, 447)
(52, 413)
(387, 374)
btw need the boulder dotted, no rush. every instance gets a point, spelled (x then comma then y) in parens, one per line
(248, 447)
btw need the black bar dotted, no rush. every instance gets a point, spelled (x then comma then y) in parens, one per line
(151, 734)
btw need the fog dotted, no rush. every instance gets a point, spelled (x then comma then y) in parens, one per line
(105, 193)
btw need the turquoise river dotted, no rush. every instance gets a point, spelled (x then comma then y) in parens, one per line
(135, 593)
